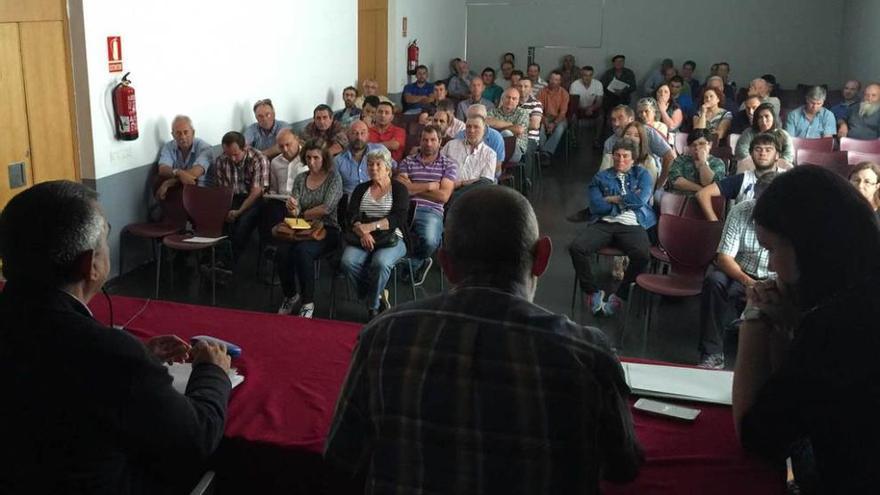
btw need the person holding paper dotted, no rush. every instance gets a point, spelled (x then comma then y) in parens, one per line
(619, 83)
(807, 364)
(88, 408)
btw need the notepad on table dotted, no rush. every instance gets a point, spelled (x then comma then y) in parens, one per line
(675, 382)
(180, 373)
(297, 223)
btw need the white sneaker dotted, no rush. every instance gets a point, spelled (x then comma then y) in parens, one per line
(288, 304)
(307, 310)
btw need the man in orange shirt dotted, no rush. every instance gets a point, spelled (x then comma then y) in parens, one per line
(554, 99)
(386, 133)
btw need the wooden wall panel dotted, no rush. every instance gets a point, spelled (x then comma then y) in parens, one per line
(13, 124)
(373, 43)
(32, 10)
(44, 63)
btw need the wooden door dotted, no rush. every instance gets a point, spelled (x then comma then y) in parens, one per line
(373, 42)
(14, 139)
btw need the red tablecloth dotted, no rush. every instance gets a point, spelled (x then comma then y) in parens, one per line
(293, 367)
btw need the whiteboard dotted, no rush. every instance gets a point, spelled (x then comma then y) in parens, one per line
(497, 27)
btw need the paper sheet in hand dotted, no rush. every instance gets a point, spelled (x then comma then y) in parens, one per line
(674, 382)
(617, 85)
(180, 373)
(203, 240)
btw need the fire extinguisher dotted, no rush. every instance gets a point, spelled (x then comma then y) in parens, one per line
(125, 110)
(412, 57)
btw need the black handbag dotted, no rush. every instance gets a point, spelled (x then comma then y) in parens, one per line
(383, 238)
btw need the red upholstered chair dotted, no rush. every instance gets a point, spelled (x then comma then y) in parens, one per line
(825, 144)
(823, 158)
(693, 211)
(173, 221)
(691, 245)
(207, 207)
(862, 145)
(856, 157)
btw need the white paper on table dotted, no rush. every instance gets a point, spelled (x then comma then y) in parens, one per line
(674, 382)
(180, 373)
(617, 85)
(203, 240)
(279, 197)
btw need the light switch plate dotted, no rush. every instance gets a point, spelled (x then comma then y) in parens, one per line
(16, 175)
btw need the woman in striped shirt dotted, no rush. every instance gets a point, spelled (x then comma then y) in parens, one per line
(377, 212)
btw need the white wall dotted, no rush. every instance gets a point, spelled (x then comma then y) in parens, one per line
(209, 60)
(796, 40)
(440, 28)
(859, 58)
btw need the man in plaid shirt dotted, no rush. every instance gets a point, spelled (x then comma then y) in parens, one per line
(479, 390)
(740, 261)
(246, 171)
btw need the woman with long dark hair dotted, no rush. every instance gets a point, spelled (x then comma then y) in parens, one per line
(807, 367)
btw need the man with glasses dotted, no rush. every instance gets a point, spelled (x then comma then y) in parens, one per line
(262, 134)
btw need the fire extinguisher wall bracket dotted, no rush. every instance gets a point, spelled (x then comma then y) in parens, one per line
(412, 57)
(124, 110)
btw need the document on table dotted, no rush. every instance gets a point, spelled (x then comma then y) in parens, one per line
(617, 85)
(674, 382)
(203, 240)
(180, 373)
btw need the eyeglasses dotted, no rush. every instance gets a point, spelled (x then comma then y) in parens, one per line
(857, 182)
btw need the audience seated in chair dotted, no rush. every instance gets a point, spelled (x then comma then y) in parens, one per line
(850, 93)
(614, 97)
(474, 98)
(430, 179)
(688, 80)
(863, 120)
(763, 121)
(369, 109)
(282, 171)
(529, 103)
(669, 110)
(569, 70)
(620, 214)
(477, 163)
(418, 95)
(761, 88)
(459, 85)
(492, 137)
(351, 112)
(812, 120)
(648, 113)
(711, 116)
(314, 197)
(637, 133)
(507, 68)
(685, 101)
(352, 164)
(658, 77)
(369, 87)
(621, 116)
(376, 231)
(764, 155)
(866, 178)
(384, 132)
(245, 170)
(510, 346)
(590, 93)
(492, 91)
(325, 129)
(742, 119)
(693, 171)
(183, 160)
(90, 408)
(554, 98)
(533, 73)
(740, 262)
(262, 133)
(511, 119)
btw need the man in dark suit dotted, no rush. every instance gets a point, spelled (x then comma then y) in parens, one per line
(88, 408)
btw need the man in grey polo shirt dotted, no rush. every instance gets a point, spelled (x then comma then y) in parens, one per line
(262, 133)
(863, 120)
(184, 159)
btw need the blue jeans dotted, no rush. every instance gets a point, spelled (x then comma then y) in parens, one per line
(296, 264)
(368, 272)
(553, 140)
(427, 230)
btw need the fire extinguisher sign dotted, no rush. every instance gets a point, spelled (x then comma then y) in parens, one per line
(114, 53)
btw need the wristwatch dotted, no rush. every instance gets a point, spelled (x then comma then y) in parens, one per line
(376, 227)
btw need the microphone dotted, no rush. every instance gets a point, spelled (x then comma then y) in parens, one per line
(109, 305)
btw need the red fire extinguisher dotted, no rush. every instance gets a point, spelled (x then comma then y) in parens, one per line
(412, 57)
(125, 110)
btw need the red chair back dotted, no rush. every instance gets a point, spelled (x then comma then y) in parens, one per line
(691, 244)
(173, 212)
(207, 207)
(862, 145)
(823, 158)
(856, 157)
(509, 147)
(573, 104)
(672, 203)
(825, 144)
(692, 210)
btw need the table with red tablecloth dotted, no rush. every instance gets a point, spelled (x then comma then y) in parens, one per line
(294, 367)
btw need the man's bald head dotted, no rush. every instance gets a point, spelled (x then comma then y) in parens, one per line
(490, 236)
(358, 135)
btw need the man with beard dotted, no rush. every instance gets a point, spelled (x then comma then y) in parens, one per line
(863, 121)
(764, 152)
(386, 133)
(351, 112)
(352, 163)
(324, 128)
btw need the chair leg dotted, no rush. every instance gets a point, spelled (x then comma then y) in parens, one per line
(649, 308)
(626, 310)
(394, 274)
(158, 251)
(213, 278)
(574, 296)
(412, 282)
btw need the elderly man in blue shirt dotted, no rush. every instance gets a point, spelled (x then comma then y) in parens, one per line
(812, 120)
(184, 159)
(620, 216)
(263, 133)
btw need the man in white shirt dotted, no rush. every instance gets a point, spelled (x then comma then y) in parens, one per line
(477, 162)
(590, 92)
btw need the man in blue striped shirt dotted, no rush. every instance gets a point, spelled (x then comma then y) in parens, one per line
(479, 390)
